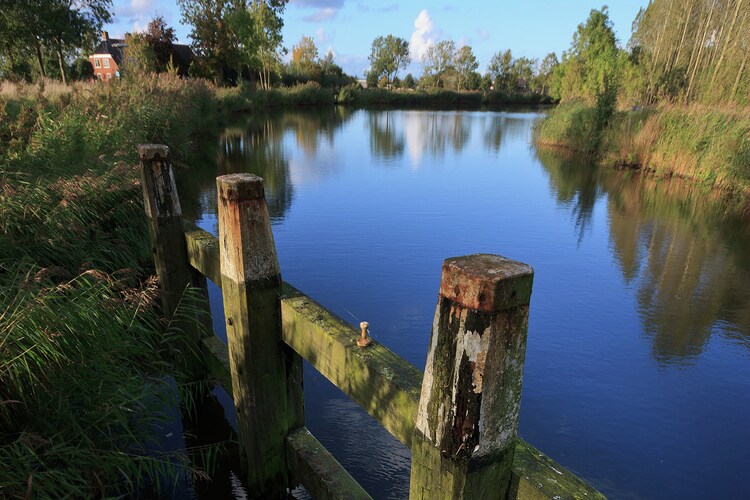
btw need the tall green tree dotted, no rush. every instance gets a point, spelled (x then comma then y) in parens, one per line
(139, 56)
(35, 28)
(693, 50)
(387, 55)
(214, 42)
(438, 59)
(161, 38)
(466, 64)
(236, 34)
(544, 75)
(500, 70)
(590, 67)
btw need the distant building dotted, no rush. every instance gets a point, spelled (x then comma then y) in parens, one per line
(107, 58)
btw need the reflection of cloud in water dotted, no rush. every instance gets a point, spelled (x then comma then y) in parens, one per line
(416, 138)
(307, 169)
(434, 132)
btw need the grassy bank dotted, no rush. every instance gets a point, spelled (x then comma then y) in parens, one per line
(312, 94)
(709, 145)
(82, 345)
(81, 340)
(354, 96)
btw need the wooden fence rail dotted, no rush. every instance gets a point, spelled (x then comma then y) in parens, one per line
(459, 418)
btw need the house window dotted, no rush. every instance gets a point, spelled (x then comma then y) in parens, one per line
(97, 64)
(109, 76)
(106, 63)
(99, 76)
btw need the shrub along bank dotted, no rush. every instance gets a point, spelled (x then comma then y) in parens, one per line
(706, 144)
(82, 347)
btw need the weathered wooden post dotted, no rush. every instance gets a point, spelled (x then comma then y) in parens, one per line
(165, 224)
(471, 392)
(266, 374)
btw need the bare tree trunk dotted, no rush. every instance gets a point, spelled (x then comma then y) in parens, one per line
(39, 58)
(61, 62)
(726, 42)
(700, 51)
(676, 58)
(739, 75)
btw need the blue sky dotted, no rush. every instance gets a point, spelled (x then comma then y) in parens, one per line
(531, 28)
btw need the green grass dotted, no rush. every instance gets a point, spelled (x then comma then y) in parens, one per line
(83, 351)
(707, 145)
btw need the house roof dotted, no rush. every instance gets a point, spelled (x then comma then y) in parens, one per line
(183, 54)
(111, 46)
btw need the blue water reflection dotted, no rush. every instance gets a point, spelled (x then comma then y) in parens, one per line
(638, 359)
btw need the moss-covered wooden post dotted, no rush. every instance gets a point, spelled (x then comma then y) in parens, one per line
(266, 374)
(471, 392)
(162, 206)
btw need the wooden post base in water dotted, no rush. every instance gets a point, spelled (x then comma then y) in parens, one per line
(471, 392)
(266, 374)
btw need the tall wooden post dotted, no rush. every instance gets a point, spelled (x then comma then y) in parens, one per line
(164, 215)
(266, 374)
(471, 392)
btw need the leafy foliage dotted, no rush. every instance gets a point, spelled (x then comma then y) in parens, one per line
(387, 56)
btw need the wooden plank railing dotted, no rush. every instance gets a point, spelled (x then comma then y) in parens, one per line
(459, 419)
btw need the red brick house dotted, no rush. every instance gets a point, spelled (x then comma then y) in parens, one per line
(107, 58)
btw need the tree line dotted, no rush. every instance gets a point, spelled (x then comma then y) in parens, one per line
(40, 38)
(447, 66)
(680, 51)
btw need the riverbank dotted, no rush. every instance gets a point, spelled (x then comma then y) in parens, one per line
(83, 349)
(708, 145)
(312, 94)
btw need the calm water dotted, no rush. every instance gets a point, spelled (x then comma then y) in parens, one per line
(638, 363)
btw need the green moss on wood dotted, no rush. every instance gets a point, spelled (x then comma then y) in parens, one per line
(536, 476)
(385, 385)
(203, 252)
(316, 469)
(216, 354)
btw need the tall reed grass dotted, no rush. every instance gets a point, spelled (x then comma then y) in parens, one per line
(83, 352)
(708, 145)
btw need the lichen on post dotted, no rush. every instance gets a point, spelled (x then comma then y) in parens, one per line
(266, 374)
(162, 207)
(471, 392)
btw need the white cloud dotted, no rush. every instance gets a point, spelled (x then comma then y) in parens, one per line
(141, 6)
(139, 26)
(322, 15)
(424, 35)
(321, 36)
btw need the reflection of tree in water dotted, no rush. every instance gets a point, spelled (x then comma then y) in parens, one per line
(385, 141)
(258, 149)
(254, 144)
(684, 251)
(434, 131)
(576, 185)
(497, 127)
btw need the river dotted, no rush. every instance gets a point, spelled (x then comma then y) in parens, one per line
(637, 370)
